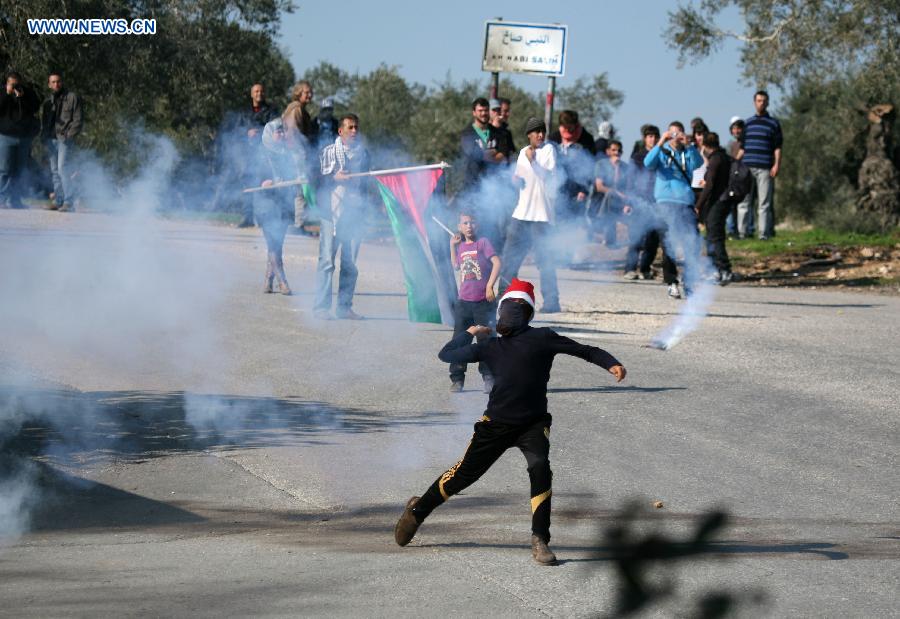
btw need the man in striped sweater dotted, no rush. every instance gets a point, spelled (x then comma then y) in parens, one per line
(762, 154)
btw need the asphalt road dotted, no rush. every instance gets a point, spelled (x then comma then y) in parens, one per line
(177, 443)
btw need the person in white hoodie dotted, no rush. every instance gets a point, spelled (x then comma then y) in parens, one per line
(533, 219)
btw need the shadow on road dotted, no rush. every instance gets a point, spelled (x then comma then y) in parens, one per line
(613, 389)
(132, 425)
(825, 305)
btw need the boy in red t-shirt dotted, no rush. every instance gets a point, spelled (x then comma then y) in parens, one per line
(473, 257)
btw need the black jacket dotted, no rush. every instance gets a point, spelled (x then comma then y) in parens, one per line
(642, 179)
(520, 365)
(578, 166)
(506, 144)
(472, 152)
(61, 116)
(17, 114)
(717, 171)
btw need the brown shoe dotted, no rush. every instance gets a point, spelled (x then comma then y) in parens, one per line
(541, 552)
(407, 525)
(284, 289)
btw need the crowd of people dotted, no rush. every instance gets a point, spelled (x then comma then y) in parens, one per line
(551, 195)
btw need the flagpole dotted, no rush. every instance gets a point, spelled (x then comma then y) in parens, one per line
(442, 165)
(415, 168)
(446, 229)
(275, 186)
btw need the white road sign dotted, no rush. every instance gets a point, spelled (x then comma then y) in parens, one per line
(525, 48)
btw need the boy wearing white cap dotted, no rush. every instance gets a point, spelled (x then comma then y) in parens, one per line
(516, 414)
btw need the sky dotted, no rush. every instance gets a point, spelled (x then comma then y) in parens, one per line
(625, 39)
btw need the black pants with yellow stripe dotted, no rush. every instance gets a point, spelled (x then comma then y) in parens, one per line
(490, 440)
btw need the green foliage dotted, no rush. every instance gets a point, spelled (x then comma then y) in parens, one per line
(593, 98)
(786, 40)
(179, 82)
(835, 59)
(384, 102)
(825, 128)
(790, 242)
(329, 80)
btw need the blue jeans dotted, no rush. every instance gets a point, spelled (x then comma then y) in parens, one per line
(14, 152)
(347, 242)
(680, 232)
(60, 154)
(520, 236)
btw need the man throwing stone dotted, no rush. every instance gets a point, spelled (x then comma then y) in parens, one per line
(516, 414)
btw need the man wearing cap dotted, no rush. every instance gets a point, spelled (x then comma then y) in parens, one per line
(516, 414)
(533, 218)
(505, 144)
(328, 124)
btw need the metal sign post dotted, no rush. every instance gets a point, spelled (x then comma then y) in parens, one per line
(548, 108)
(539, 49)
(495, 79)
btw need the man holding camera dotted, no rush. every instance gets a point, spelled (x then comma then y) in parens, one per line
(674, 161)
(61, 121)
(18, 105)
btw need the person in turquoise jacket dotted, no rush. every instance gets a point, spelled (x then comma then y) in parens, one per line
(674, 160)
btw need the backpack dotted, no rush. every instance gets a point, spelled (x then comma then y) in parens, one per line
(740, 181)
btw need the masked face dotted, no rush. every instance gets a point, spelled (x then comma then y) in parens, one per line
(514, 316)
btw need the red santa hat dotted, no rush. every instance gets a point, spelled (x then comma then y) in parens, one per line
(519, 289)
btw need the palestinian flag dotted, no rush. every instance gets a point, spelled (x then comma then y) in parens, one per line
(405, 195)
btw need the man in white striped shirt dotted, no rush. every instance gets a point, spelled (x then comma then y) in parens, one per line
(341, 205)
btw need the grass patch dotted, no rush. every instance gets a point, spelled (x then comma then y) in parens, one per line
(789, 242)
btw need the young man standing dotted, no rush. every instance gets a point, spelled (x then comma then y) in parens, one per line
(642, 184)
(713, 206)
(674, 162)
(762, 154)
(479, 268)
(534, 216)
(341, 205)
(61, 121)
(481, 157)
(516, 415)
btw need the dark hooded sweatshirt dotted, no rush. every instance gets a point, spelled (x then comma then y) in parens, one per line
(520, 364)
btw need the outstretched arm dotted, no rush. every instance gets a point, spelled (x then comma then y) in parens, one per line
(566, 346)
(460, 349)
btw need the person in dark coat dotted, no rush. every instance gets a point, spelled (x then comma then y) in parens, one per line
(61, 122)
(18, 126)
(576, 161)
(713, 205)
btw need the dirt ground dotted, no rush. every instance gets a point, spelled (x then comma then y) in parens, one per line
(863, 268)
